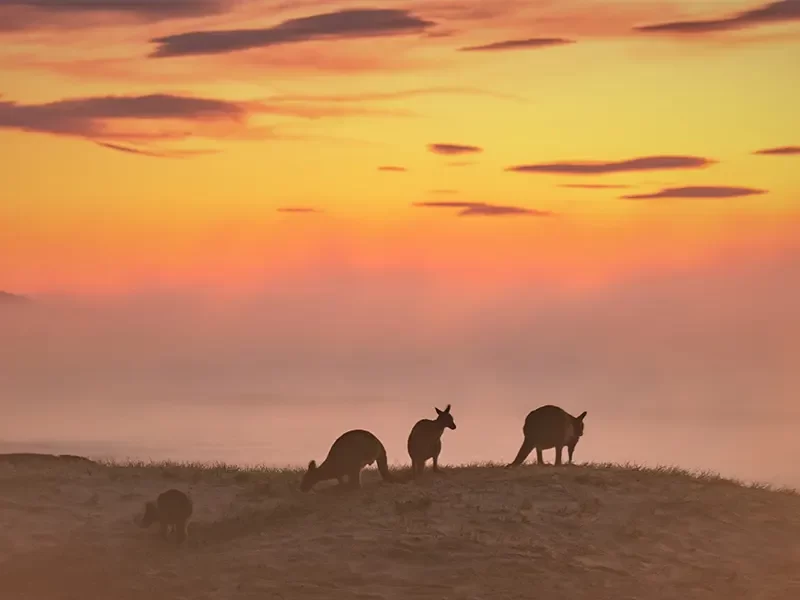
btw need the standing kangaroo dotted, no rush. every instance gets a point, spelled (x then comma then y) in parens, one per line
(549, 427)
(351, 452)
(172, 509)
(425, 440)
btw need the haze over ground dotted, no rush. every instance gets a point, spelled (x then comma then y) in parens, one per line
(695, 367)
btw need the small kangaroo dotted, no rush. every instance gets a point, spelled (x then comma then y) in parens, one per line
(351, 452)
(172, 509)
(549, 427)
(425, 440)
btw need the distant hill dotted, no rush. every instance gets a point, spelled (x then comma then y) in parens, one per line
(8, 298)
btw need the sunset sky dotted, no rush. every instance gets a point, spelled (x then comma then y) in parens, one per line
(162, 144)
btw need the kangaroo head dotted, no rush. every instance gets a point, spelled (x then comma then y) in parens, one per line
(150, 514)
(309, 477)
(579, 424)
(445, 418)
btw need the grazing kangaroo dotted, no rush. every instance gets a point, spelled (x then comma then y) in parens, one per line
(549, 427)
(425, 440)
(351, 452)
(172, 509)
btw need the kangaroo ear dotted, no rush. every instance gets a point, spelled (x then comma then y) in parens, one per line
(447, 410)
(312, 465)
(438, 412)
(581, 416)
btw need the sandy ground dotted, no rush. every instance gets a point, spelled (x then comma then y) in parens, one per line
(67, 531)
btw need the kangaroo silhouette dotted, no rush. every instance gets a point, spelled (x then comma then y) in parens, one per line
(351, 452)
(425, 440)
(549, 427)
(173, 510)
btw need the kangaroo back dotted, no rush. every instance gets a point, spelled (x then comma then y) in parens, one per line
(351, 452)
(547, 427)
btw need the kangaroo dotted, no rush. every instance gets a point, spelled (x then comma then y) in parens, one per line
(172, 509)
(549, 427)
(425, 440)
(351, 452)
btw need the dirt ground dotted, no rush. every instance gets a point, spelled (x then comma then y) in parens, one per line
(68, 531)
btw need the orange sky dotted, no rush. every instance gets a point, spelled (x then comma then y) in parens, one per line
(140, 149)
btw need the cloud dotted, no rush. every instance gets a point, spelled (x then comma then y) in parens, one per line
(527, 44)
(444, 192)
(114, 119)
(342, 24)
(782, 11)
(492, 210)
(453, 149)
(394, 95)
(156, 153)
(19, 15)
(92, 117)
(392, 169)
(645, 163)
(298, 210)
(593, 186)
(781, 151)
(700, 191)
(483, 209)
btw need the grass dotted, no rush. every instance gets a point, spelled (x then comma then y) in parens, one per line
(193, 471)
(590, 531)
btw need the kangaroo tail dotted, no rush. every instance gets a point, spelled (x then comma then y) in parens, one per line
(524, 451)
(383, 467)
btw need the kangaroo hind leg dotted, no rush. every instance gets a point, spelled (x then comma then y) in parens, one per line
(524, 451)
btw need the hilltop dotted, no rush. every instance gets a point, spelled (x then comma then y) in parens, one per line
(583, 532)
(9, 298)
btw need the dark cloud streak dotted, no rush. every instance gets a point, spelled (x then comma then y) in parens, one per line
(483, 209)
(701, 191)
(156, 153)
(645, 163)
(781, 151)
(89, 117)
(22, 15)
(343, 24)
(298, 210)
(527, 44)
(782, 11)
(453, 149)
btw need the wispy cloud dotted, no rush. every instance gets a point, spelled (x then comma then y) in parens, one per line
(453, 149)
(700, 191)
(483, 209)
(594, 186)
(393, 95)
(392, 169)
(782, 11)
(156, 153)
(780, 151)
(115, 119)
(298, 210)
(644, 163)
(100, 117)
(17, 15)
(527, 44)
(342, 24)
